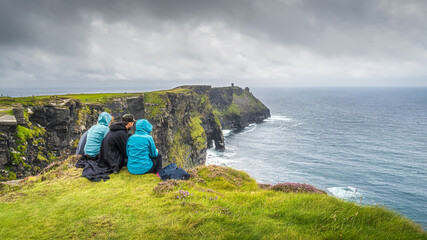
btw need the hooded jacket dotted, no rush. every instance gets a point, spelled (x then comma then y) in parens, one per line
(113, 148)
(96, 134)
(140, 147)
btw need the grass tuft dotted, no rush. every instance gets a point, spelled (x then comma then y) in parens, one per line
(288, 187)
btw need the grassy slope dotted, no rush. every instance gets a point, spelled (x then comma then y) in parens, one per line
(218, 203)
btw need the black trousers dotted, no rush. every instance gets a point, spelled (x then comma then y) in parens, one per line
(157, 164)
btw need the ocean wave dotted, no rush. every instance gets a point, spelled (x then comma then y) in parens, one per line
(226, 133)
(250, 128)
(214, 157)
(278, 118)
(346, 193)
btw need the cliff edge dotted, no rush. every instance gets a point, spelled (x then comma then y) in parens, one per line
(35, 131)
(215, 203)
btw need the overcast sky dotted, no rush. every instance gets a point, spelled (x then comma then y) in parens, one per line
(252, 43)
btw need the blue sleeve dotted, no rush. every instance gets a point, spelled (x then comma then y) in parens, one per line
(82, 144)
(153, 150)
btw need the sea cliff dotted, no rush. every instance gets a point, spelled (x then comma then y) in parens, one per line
(187, 120)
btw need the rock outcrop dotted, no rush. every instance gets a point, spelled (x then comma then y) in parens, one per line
(187, 121)
(237, 108)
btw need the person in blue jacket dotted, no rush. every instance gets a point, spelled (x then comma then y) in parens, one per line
(96, 134)
(143, 156)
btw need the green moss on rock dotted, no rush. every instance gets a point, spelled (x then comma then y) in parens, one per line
(38, 132)
(233, 109)
(178, 152)
(154, 102)
(15, 157)
(26, 115)
(51, 156)
(197, 133)
(26, 166)
(23, 134)
(22, 148)
(75, 142)
(12, 175)
(40, 157)
(82, 115)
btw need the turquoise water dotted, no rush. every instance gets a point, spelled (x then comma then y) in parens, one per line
(367, 145)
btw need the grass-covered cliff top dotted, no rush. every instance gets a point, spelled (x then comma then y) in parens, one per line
(86, 98)
(216, 203)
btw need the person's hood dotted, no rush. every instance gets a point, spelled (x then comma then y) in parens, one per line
(143, 126)
(118, 126)
(104, 119)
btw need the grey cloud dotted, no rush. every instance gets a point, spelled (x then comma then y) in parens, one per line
(42, 39)
(50, 26)
(328, 26)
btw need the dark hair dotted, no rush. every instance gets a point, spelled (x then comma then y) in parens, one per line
(128, 118)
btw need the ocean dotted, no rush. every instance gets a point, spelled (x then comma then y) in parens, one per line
(366, 145)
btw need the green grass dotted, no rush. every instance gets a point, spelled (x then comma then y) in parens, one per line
(241, 104)
(233, 109)
(217, 203)
(26, 101)
(6, 111)
(155, 103)
(85, 98)
(99, 97)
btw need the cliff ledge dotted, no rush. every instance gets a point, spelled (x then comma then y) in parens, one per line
(187, 120)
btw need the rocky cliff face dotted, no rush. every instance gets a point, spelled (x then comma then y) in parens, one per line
(237, 108)
(187, 121)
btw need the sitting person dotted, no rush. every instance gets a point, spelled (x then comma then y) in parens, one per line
(96, 134)
(113, 148)
(142, 154)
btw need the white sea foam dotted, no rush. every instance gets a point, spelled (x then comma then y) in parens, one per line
(214, 157)
(250, 128)
(226, 133)
(346, 193)
(278, 118)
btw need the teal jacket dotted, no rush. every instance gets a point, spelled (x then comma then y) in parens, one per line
(140, 147)
(96, 134)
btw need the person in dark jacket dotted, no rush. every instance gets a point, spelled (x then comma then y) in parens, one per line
(112, 154)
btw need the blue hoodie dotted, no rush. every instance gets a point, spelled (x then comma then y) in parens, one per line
(140, 147)
(96, 134)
